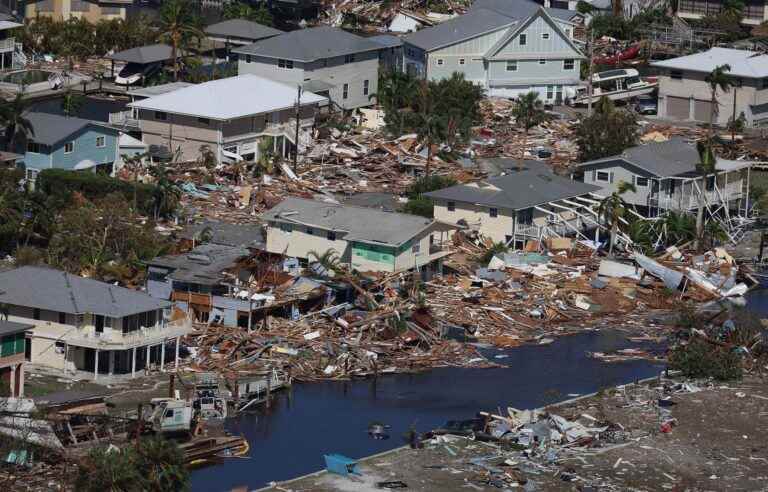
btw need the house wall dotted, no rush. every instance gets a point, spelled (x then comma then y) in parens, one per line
(188, 133)
(373, 258)
(85, 149)
(496, 228)
(77, 9)
(298, 243)
(414, 60)
(407, 258)
(471, 51)
(391, 59)
(619, 171)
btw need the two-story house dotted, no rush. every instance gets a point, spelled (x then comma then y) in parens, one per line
(528, 202)
(685, 95)
(70, 143)
(13, 344)
(506, 54)
(229, 117)
(11, 51)
(665, 178)
(325, 60)
(90, 10)
(754, 12)
(366, 239)
(85, 326)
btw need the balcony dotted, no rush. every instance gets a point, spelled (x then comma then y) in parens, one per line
(123, 119)
(116, 340)
(7, 44)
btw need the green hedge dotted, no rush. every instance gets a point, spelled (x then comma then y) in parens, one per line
(94, 186)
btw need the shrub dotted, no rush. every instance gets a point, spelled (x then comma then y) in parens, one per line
(702, 359)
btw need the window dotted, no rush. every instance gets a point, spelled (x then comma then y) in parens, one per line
(204, 121)
(286, 227)
(161, 116)
(331, 235)
(545, 35)
(451, 206)
(525, 216)
(493, 212)
(550, 92)
(542, 61)
(33, 147)
(671, 187)
(676, 74)
(345, 91)
(462, 61)
(641, 181)
(62, 318)
(349, 59)
(310, 231)
(69, 147)
(365, 87)
(100, 142)
(603, 176)
(416, 248)
(287, 64)
(36, 313)
(511, 65)
(764, 84)
(568, 32)
(568, 64)
(523, 39)
(247, 58)
(710, 183)
(32, 174)
(439, 62)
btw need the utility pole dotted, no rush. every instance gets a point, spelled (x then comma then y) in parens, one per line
(590, 52)
(298, 113)
(733, 117)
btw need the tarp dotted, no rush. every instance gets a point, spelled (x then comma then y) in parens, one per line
(671, 278)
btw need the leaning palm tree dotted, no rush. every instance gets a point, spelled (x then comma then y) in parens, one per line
(330, 260)
(13, 117)
(679, 227)
(705, 167)
(717, 79)
(612, 210)
(177, 26)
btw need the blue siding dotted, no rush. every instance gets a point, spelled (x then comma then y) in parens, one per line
(85, 149)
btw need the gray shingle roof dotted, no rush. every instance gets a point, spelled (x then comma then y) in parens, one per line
(203, 265)
(472, 24)
(671, 158)
(54, 290)
(9, 327)
(387, 40)
(516, 9)
(152, 53)
(743, 63)
(310, 44)
(244, 235)
(360, 223)
(516, 191)
(50, 129)
(242, 29)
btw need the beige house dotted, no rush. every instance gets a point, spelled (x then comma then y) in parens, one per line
(229, 117)
(90, 10)
(366, 239)
(85, 326)
(527, 203)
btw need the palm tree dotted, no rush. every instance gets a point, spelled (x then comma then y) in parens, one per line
(330, 260)
(528, 112)
(432, 126)
(705, 167)
(13, 117)
(680, 227)
(177, 26)
(395, 96)
(612, 209)
(717, 79)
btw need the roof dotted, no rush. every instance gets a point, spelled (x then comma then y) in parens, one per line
(54, 290)
(203, 265)
(360, 223)
(516, 9)
(242, 29)
(156, 90)
(495, 166)
(387, 40)
(9, 327)
(671, 158)
(228, 98)
(50, 129)
(224, 233)
(152, 53)
(750, 64)
(516, 191)
(472, 24)
(310, 44)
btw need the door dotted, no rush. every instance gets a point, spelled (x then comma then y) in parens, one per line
(702, 110)
(678, 108)
(99, 323)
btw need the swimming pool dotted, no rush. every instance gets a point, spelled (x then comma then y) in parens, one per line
(26, 77)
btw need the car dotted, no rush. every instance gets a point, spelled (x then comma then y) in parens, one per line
(134, 73)
(646, 105)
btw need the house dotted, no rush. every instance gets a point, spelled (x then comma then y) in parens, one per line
(529, 202)
(326, 60)
(366, 239)
(507, 53)
(70, 143)
(13, 346)
(86, 326)
(665, 178)
(90, 10)
(127, 119)
(685, 95)
(391, 54)
(11, 52)
(141, 62)
(229, 116)
(409, 21)
(754, 12)
(239, 32)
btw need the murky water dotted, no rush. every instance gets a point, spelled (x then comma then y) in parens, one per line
(291, 437)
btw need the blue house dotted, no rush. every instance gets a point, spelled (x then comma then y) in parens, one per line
(62, 142)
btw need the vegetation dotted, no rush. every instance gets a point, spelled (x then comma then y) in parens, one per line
(620, 27)
(717, 79)
(179, 26)
(495, 249)
(609, 131)
(329, 260)
(12, 117)
(612, 210)
(705, 167)
(418, 204)
(702, 359)
(529, 111)
(239, 10)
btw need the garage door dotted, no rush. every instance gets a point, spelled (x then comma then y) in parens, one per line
(678, 108)
(701, 110)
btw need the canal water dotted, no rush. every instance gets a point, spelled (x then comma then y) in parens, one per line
(290, 438)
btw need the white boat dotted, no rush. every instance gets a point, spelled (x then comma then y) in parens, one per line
(617, 85)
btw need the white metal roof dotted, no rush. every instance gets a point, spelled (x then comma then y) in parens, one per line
(229, 98)
(743, 63)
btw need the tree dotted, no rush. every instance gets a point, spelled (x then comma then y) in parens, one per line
(705, 167)
(431, 124)
(609, 131)
(13, 117)
(239, 10)
(717, 79)
(612, 210)
(71, 103)
(177, 26)
(395, 96)
(733, 9)
(529, 111)
(680, 227)
(330, 260)
(418, 204)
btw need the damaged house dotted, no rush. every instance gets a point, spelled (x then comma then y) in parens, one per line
(366, 239)
(528, 203)
(509, 50)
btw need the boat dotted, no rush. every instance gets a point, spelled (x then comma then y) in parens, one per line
(626, 54)
(617, 85)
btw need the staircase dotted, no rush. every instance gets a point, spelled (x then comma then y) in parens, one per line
(19, 58)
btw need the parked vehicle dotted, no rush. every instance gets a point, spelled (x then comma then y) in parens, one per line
(134, 73)
(646, 104)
